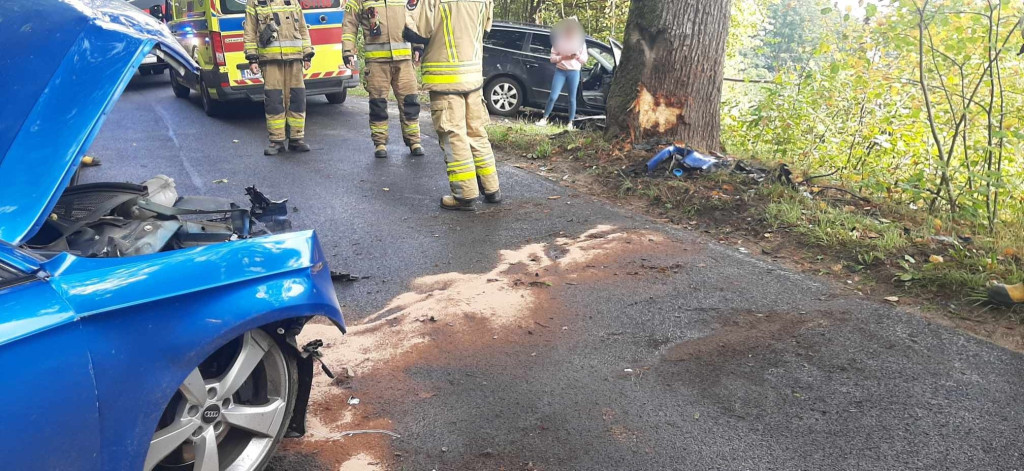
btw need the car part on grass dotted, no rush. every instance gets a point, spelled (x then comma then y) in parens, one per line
(1006, 295)
(123, 219)
(681, 160)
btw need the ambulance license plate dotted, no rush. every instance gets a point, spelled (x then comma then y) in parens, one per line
(248, 75)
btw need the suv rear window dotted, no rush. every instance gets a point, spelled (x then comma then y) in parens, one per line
(238, 6)
(540, 44)
(506, 39)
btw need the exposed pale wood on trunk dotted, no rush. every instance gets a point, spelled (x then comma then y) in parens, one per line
(670, 80)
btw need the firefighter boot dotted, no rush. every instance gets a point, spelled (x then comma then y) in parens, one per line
(417, 150)
(274, 148)
(452, 203)
(493, 197)
(381, 152)
(298, 145)
(1006, 295)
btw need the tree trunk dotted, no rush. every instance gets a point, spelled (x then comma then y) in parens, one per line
(669, 83)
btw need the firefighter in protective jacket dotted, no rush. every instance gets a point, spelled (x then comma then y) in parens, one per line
(277, 44)
(453, 31)
(389, 66)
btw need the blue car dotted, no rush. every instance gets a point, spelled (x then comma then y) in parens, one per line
(138, 329)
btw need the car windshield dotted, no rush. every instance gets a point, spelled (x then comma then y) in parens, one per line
(238, 6)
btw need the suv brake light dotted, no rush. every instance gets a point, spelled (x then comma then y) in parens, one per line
(218, 48)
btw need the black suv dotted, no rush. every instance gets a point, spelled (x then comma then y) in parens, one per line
(518, 70)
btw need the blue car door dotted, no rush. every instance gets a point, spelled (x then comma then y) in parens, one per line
(48, 387)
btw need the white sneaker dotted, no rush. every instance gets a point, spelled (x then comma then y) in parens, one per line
(543, 122)
(569, 127)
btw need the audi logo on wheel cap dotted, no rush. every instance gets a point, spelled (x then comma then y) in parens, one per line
(211, 414)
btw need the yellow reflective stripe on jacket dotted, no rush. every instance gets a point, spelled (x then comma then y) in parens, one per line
(449, 35)
(348, 37)
(454, 78)
(386, 46)
(273, 8)
(450, 66)
(352, 5)
(388, 54)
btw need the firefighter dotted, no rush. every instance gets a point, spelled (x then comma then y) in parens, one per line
(453, 31)
(389, 67)
(277, 44)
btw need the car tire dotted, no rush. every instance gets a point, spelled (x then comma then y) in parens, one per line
(180, 90)
(210, 106)
(243, 418)
(338, 97)
(504, 96)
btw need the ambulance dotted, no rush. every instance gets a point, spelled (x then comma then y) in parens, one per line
(211, 30)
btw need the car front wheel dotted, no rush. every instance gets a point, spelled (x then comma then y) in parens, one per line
(504, 96)
(231, 411)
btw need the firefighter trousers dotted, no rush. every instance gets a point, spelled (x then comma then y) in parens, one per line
(383, 77)
(284, 99)
(460, 120)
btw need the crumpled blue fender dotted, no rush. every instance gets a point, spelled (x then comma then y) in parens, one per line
(141, 324)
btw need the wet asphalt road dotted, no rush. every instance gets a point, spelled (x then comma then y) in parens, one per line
(736, 364)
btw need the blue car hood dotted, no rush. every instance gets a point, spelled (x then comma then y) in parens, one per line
(64, 63)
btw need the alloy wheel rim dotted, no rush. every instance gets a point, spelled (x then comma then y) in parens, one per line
(232, 418)
(504, 96)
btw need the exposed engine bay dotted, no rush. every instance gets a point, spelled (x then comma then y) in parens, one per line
(124, 219)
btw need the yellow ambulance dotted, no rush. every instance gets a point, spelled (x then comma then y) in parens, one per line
(211, 30)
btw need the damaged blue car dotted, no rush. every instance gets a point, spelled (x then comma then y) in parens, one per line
(139, 329)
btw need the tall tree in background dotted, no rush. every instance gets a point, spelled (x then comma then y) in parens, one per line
(670, 80)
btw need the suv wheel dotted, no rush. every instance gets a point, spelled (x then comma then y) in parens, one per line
(504, 96)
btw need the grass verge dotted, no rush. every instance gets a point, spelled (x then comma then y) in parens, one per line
(874, 248)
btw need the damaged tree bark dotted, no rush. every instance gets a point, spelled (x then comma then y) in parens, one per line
(669, 83)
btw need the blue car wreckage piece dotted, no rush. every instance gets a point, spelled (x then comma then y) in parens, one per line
(683, 159)
(93, 349)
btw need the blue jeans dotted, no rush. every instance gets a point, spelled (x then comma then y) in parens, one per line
(561, 79)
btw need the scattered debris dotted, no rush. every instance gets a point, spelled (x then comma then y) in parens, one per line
(234, 141)
(353, 401)
(386, 189)
(554, 197)
(221, 180)
(893, 299)
(936, 259)
(359, 432)
(346, 277)
(540, 284)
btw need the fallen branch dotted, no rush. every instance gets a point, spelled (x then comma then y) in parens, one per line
(815, 177)
(842, 190)
(357, 432)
